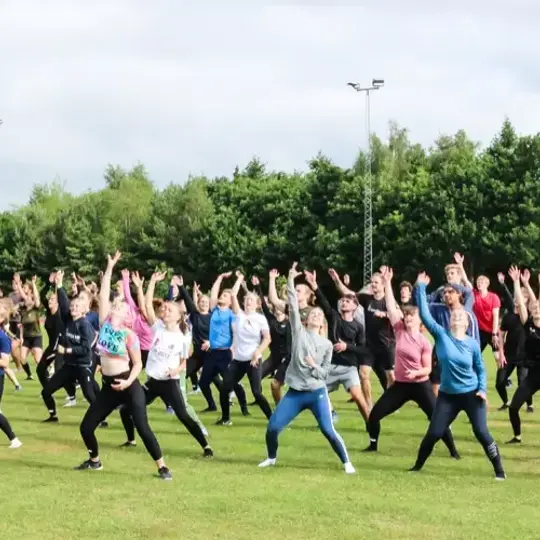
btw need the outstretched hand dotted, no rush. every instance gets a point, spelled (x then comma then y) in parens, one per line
(111, 261)
(514, 273)
(294, 272)
(311, 278)
(159, 276)
(423, 278)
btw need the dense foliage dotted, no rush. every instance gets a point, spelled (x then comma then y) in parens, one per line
(427, 204)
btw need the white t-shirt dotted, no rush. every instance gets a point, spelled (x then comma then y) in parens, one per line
(247, 333)
(167, 349)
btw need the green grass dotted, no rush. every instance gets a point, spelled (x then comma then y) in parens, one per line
(306, 496)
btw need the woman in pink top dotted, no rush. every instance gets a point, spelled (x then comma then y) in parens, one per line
(138, 312)
(412, 368)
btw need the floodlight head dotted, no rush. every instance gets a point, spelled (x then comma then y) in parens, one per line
(377, 82)
(353, 85)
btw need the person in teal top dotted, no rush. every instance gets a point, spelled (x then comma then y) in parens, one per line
(463, 382)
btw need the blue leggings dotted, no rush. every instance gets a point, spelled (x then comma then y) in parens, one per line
(291, 406)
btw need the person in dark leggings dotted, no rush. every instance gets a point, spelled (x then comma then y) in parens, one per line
(54, 326)
(198, 308)
(531, 384)
(5, 351)
(463, 382)
(280, 334)
(75, 346)
(120, 365)
(220, 338)
(412, 367)
(166, 360)
(251, 339)
(513, 337)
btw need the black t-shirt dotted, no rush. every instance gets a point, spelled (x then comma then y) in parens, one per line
(379, 331)
(532, 344)
(514, 345)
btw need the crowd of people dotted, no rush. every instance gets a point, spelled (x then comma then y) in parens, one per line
(101, 337)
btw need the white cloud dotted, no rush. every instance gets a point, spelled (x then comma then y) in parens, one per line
(200, 89)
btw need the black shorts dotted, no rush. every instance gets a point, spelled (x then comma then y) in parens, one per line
(384, 357)
(33, 342)
(435, 375)
(486, 339)
(279, 375)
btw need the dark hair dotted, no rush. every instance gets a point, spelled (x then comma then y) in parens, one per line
(351, 297)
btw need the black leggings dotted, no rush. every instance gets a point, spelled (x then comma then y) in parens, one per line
(42, 370)
(2, 378)
(6, 427)
(235, 373)
(447, 407)
(169, 391)
(68, 375)
(216, 363)
(106, 402)
(270, 365)
(395, 397)
(194, 364)
(504, 373)
(527, 388)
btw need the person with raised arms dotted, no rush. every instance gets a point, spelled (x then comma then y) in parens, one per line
(121, 364)
(412, 368)
(311, 357)
(166, 361)
(463, 382)
(348, 339)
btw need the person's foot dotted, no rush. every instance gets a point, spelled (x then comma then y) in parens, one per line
(15, 443)
(268, 462)
(71, 403)
(29, 378)
(530, 409)
(18, 388)
(348, 468)
(455, 455)
(245, 412)
(222, 422)
(503, 407)
(169, 410)
(514, 440)
(208, 452)
(508, 383)
(416, 468)
(373, 447)
(164, 473)
(89, 465)
(500, 476)
(253, 403)
(128, 444)
(209, 409)
(52, 418)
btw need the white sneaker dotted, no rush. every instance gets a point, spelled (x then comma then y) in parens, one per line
(269, 462)
(67, 398)
(71, 403)
(348, 468)
(15, 443)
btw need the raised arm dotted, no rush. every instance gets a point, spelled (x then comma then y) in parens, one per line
(264, 306)
(273, 297)
(63, 300)
(151, 314)
(191, 306)
(105, 290)
(341, 287)
(394, 313)
(507, 298)
(526, 280)
(520, 301)
(322, 301)
(423, 308)
(45, 290)
(127, 291)
(294, 311)
(216, 287)
(196, 294)
(139, 282)
(235, 306)
(460, 259)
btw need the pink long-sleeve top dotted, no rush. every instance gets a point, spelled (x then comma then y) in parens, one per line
(140, 326)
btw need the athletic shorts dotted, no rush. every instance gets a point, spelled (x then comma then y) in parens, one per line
(279, 375)
(435, 375)
(486, 339)
(342, 375)
(33, 342)
(384, 357)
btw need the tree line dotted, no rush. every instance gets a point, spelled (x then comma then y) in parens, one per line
(427, 203)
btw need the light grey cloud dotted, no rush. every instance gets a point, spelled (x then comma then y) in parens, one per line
(198, 90)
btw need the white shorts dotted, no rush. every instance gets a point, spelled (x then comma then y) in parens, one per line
(342, 375)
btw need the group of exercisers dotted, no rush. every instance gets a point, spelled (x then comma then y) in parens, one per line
(296, 336)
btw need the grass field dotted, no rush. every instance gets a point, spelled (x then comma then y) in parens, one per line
(305, 496)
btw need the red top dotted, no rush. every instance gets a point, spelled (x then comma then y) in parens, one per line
(483, 309)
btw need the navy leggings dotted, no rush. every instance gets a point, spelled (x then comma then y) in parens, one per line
(294, 402)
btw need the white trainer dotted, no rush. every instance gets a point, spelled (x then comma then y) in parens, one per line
(15, 443)
(71, 403)
(348, 468)
(269, 462)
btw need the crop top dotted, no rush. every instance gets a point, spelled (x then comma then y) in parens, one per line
(115, 343)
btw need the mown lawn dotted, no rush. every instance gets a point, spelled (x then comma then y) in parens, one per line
(306, 496)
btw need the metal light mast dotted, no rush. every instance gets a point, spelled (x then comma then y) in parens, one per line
(368, 218)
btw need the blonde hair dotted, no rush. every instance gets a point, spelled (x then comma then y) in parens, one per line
(452, 266)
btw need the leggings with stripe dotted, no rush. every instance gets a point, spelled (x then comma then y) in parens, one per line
(294, 402)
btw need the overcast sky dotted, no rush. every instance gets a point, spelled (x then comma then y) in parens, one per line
(198, 90)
